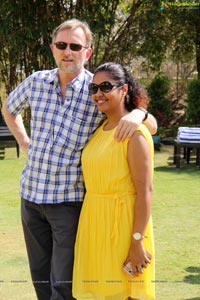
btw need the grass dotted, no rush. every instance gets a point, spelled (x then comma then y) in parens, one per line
(15, 282)
(176, 227)
(176, 204)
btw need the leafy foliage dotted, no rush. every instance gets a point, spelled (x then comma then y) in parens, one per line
(25, 38)
(123, 31)
(193, 100)
(160, 105)
(27, 26)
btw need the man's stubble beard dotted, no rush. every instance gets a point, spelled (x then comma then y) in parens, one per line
(71, 69)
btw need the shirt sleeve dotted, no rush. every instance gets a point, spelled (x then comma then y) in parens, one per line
(18, 99)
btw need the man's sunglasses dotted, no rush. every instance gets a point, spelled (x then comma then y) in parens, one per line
(104, 87)
(72, 46)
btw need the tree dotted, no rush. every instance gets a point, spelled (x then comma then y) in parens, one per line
(193, 101)
(27, 26)
(25, 34)
(160, 105)
(123, 30)
(184, 26)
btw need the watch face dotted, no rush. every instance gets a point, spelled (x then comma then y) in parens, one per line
(137, 236)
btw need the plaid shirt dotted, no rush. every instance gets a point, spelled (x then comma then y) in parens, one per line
(59, 132)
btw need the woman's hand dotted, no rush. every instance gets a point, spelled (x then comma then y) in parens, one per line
(139, 257)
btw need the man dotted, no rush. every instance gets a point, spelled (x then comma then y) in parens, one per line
(63, 118)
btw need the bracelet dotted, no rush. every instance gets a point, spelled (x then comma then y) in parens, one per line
(145, 111)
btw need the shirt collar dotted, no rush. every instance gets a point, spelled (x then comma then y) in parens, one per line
(76, 83)
(51, 76)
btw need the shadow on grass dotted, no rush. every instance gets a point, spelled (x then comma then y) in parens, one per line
(167, 157)
(197, 298)
(5, 146)
(2, 153)
(191, 169)
(170, 167)
(194, 277)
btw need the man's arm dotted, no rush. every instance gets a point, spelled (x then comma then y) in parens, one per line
(129, 123)
(16, 126)
(151, 124)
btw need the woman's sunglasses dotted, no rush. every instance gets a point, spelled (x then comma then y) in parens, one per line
(72, 46)
(104, 87)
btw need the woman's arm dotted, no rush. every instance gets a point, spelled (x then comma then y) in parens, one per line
(130, 122)
(140, 164)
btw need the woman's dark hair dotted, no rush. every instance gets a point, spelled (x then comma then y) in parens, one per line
(136, 95)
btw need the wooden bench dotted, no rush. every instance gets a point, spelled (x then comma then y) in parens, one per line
(6, 135)
(186, 147)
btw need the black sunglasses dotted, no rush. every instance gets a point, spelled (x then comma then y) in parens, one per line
(73, 47)
(104, 87)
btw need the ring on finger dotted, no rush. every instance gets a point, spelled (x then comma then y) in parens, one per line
(139, 269)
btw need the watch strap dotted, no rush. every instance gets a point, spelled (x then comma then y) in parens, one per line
(145, 111)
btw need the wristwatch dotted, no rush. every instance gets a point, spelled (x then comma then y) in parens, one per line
(145, 111)
(138, 236)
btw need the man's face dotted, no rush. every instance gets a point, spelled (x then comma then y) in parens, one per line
(68, 60)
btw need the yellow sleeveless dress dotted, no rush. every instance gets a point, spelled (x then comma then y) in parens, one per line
(105, 225)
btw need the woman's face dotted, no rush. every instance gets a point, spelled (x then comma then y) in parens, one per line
(108, 101)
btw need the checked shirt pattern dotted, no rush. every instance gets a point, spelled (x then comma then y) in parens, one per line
(59, 131)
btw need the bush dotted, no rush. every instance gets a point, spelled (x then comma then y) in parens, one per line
(193, 101)
(160, 105)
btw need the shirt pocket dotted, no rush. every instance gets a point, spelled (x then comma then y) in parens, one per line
(72, 133)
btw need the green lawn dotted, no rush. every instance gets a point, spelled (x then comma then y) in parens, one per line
(176, 206)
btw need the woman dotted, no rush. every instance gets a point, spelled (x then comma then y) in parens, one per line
(114, 253)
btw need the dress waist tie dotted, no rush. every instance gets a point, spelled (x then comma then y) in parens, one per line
(119, 199)
(118, 208)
